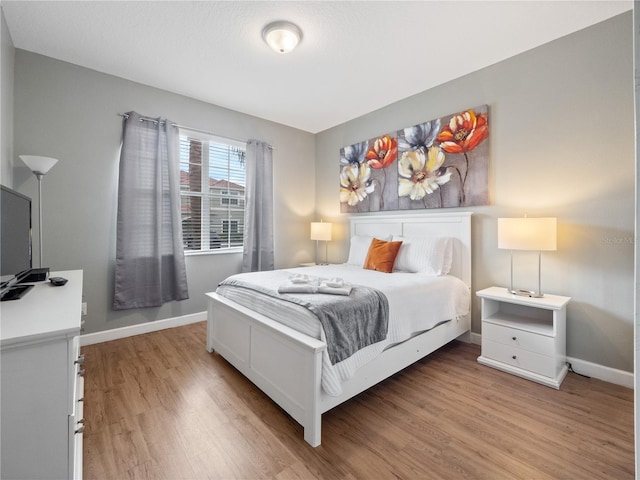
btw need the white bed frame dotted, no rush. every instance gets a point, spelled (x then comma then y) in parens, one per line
(286, 364)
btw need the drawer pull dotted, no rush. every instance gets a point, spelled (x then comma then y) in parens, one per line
(81, 400)
(81, 421)
(80, 360)
(81, 372)
(80, 429)
(513, 338)
(514, 357)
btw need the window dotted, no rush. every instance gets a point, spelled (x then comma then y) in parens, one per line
(229, 201)
(212, 189)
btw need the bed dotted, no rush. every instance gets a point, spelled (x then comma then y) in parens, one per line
(292, 367)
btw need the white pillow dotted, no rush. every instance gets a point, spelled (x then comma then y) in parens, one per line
(359, 248)
(426, 255)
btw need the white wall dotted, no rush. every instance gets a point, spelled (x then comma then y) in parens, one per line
(71, 113)
(561, 144)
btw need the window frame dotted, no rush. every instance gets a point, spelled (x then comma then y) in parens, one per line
(208, 198)
(230, 198)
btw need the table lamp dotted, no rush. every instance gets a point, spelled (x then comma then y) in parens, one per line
(533, 234)
(321, 231)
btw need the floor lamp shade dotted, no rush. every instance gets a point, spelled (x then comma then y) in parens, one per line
(321, 231)
(39, 166)
(534, 234)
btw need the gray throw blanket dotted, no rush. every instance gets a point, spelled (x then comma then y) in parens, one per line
(349, 322)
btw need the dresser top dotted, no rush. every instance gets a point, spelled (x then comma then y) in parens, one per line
(45, 312)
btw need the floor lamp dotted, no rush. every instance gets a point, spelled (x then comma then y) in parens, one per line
(39, 166)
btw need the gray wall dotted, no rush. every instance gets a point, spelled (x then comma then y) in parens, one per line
(71, 113)
(561, 144)
(7, 54)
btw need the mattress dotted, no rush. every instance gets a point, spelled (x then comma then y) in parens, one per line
(417, 303)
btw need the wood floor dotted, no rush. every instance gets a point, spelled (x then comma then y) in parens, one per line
(160, 406)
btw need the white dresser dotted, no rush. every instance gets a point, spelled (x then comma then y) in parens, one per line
(524, 336)
(42, 382)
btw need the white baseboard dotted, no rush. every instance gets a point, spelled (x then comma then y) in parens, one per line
(607, 374)
(476, 338)
(117, 333)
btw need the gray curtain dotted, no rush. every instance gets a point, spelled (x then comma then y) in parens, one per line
(257, 254)
(150, 268)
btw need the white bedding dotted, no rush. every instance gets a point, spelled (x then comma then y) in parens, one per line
(416, 303)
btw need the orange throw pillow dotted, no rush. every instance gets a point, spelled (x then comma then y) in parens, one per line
(382, 255)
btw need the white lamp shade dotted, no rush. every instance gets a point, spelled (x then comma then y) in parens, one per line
(282, 37)
(38, 164)
(321, 231)
(527, 233)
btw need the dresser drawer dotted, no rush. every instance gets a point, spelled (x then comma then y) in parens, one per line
(518, 357)
(76, 434)
(75, 366)
(76, 410)
(514, 337)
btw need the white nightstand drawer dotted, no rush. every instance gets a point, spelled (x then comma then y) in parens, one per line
(514, 337)
(518, 357)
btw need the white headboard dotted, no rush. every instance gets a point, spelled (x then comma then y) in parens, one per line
(456, 225)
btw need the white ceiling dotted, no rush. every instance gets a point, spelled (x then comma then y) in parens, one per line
(355, 57)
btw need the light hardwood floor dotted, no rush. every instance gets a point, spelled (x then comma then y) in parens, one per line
(160, 406)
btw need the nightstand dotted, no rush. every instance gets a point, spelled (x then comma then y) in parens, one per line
(524, 336)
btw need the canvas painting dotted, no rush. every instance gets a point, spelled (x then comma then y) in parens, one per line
(436, 164)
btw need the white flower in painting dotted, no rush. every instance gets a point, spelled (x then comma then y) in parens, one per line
(353, 154)
(420, 173)
(419, 137)
(355, 183)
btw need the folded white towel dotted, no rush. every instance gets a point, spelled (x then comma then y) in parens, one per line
(335, 282)
(297, 288)
(300, 283)
(299, 278)
(345, 289)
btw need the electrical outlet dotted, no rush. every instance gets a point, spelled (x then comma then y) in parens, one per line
(84, 308)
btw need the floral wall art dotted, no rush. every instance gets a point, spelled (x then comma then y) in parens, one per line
(439, 163)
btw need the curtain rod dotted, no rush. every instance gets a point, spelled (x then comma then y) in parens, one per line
(126, 116)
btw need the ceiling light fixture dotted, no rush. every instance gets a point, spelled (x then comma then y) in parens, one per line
(281, 36)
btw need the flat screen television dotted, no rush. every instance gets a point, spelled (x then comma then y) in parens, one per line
(15, 232)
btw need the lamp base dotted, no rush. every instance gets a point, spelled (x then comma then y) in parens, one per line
(525, 293)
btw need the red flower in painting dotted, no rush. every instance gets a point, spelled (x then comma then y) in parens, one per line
(383, 152)
(464, 132)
